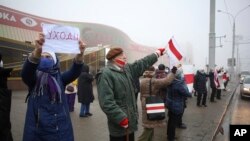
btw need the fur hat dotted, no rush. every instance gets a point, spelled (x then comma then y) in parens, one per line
(113, 52)
(52, 54)
(161, 67)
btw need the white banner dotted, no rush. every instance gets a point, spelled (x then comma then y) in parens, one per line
(61, 39)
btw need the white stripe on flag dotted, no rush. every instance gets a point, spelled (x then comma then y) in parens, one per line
(190, 87)
(156, 111)
(154, 105)
(189, 76)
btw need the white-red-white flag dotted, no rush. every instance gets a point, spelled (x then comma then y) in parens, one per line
(189, 76)
(174, 52)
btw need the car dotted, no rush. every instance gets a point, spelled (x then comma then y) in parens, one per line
(245, 87)
(243, 74)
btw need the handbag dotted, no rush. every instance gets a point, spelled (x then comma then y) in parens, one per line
(155, 106)
(70, 88)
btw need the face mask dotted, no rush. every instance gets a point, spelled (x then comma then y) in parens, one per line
(45, 64)
(120, 62)
(1, 64)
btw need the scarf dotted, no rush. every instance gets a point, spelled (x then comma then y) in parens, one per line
(47, 84)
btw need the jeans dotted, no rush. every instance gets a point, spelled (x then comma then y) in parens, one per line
(84, 109)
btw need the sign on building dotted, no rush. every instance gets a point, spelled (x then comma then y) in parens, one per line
(231, 62)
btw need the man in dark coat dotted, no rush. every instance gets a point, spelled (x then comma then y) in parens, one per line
(5, 104)
(116, 92)
(200, 87)
(85, 91)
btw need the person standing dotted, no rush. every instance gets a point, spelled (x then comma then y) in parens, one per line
(220, 83)
(85, 91)
(116, 92)
(154, 90)
(201, 88)
(70, 92)
(212, 85)
(177, 92)
(47, 116)
(225, 80)
(5, 103)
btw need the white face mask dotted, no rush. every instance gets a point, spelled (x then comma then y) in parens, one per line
(1, 64)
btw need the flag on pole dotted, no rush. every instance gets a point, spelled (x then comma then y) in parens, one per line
(188, 76)
(174, 52)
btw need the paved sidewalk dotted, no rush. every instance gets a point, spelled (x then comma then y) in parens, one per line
(202, 122)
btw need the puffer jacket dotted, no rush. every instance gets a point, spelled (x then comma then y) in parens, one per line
(46, 121)
(177, 92)
(116, 93)
(156, 85)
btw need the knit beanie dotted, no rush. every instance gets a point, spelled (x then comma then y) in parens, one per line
(52, 54)
(161, 67)
(113, 52)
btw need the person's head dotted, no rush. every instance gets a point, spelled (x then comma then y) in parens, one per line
(149, 72)
(202, 70)
(85, 68)
(179, 74)
(117, 56)
(161, 67)
(47, 61)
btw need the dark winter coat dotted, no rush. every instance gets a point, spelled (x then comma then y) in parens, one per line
(85, 87)
(200, 82)
(211, 78)
(46, 121)
(177, 92)
(5, 106)
(116, 93)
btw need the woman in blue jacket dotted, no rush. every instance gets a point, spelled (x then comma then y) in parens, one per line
(177, 92)
(47, 116)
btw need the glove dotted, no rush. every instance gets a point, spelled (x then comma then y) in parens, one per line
(160, 51)
(174, 69)
(124, 123)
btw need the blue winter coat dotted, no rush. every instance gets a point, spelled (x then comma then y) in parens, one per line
(47, 121)
(177, 92)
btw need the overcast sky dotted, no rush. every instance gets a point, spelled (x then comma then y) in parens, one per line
(154, 22)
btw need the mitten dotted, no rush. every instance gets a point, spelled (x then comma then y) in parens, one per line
(124, 123)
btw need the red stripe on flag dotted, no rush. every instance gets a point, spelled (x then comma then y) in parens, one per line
(189, 78)
(174, 50)
(155, 108)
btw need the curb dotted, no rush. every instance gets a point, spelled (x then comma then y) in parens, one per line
(219, 128)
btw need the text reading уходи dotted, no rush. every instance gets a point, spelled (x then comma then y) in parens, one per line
(55, 35)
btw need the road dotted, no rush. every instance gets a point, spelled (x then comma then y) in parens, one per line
(238, 113)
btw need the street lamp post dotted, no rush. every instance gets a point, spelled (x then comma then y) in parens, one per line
(233, 45)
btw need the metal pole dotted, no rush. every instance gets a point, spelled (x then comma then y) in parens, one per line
(233, 47)
(212, 39)
(211, 48)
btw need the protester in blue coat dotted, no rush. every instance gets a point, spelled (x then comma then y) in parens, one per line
(177, 92)
(47, 116)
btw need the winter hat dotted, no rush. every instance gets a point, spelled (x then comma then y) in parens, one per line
(179, 74)
(52, 54)
(161, 67)
(113, 52)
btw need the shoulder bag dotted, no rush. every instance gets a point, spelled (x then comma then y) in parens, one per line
(155, 107)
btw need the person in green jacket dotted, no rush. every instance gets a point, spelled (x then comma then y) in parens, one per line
(116, 92)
